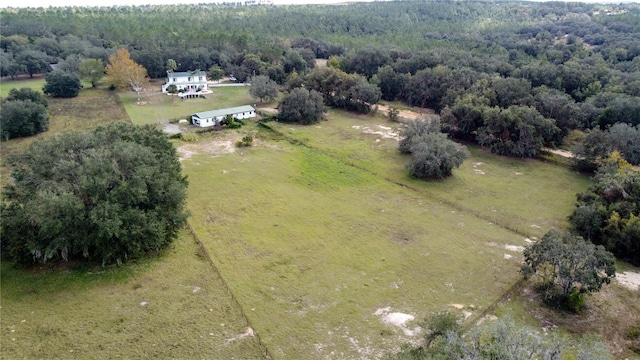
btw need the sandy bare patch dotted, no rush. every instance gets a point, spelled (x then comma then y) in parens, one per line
(629, 279)
(171, 128)
(269, 110)
(210, 147)
(457, 306)
(508, 256)
(248, 333)
(409, 114)
(514, 248)
(383, 131)
(396, 319)
(563, 153)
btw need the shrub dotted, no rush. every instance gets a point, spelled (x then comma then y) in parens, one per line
(20, 118)
(61, 84)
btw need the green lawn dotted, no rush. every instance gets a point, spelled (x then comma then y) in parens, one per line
(314, 246)
(155, 107)
(528, 196)
(173, 306)
(35, 84)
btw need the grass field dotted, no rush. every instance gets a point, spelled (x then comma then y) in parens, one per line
(173, 306)
(318, 232)
(527, 196)
(79, 313)
(315, 246)
(35, 83)
(155, 107)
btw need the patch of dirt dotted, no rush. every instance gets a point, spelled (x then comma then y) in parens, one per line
(213, 147)
(384, 132)
(397, 319)
(171, 128)
(476, 170)
(629, 279)
(248, 333)
(514, 248)
(269, 110)
(563, 153)
(409, 114)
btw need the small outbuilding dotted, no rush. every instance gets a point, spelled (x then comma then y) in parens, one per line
(213, 117)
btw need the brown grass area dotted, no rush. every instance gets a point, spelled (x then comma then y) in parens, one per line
(612, 314)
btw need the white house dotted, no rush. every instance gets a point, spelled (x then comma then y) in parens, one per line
(213, 117)
(189, 81)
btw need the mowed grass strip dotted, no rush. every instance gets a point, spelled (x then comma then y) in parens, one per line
(312, 248)
(529, 196)
(170, 307)
(154, 107)
(36, 83)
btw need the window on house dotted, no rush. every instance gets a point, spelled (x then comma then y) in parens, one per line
(174, 79)
(200, 78)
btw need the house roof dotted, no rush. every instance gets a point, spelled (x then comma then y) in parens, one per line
(223, 112)
(186, 74)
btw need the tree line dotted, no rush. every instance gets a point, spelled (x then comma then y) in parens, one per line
(512, 77)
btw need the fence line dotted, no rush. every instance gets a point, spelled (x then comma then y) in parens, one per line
(267, 354)
(476, 213)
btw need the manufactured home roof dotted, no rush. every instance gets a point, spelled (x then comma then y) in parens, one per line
(224, 112)
(186, 74)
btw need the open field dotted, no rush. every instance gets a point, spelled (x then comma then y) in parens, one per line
(321, 250)
(80, 313)
(156, 108)
(35, 83)
(173, 306)
(324, 241)
(527, 196)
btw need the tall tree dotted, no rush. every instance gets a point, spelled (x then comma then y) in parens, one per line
(62, 84)
(92, 70)
(433, 155)
(215, 73)
(608, 212)
(171, 65)
(123, 72)
(576, 266)
(27, 94)
(110, 195)
(263, 88)
(302, 106)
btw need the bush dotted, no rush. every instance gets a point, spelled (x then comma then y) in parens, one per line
(302, 106)
(110, 195)
(20, 118)
(61, 84)
(433, 155)
(577, 267)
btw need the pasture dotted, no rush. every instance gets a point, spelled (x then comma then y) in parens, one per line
(169, 306)
(320, 233)
(329, 249)
(174, 305)
(36, 83)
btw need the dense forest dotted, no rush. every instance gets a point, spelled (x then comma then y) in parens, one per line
(511, 76)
